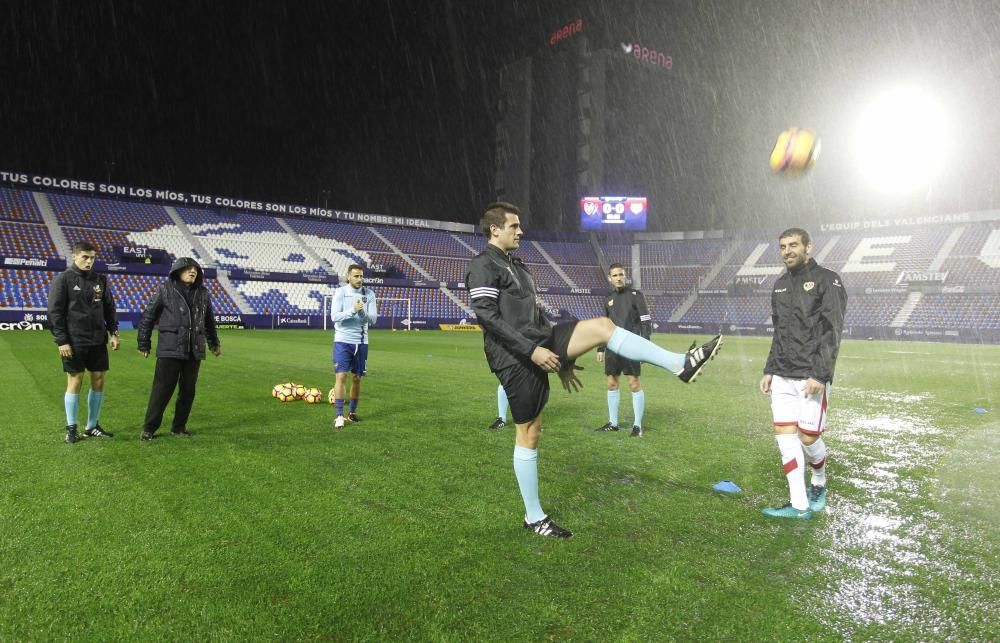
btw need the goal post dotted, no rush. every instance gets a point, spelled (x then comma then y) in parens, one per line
(397, 310)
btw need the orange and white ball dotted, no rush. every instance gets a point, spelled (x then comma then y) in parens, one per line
(795, 151)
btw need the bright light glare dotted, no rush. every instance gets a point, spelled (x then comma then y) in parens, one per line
(902, 141)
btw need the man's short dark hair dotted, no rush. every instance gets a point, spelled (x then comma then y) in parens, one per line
(351, 268)
(791, 232)
(613, 266)
(496, 215)
(83, 246)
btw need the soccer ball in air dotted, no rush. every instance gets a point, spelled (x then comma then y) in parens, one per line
(332, 398)
(313, 395)
(283, 392)
(795, 151)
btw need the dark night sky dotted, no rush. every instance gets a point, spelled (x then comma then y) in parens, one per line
(389, 106)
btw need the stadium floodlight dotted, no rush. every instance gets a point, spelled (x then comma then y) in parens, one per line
(902, 140)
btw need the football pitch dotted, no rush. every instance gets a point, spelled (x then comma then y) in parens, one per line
(267, 524)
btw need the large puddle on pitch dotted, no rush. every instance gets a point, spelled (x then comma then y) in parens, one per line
(892, 554)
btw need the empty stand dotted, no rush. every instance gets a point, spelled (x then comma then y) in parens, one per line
(24, 288)
(107, 242)
(272, 297)
(435, 243)
(25, 240)
(587, 276)
(570, 253)
(873, 310)
(970, 271)
(545, 276)
(528, 252)
(672, 278)
(424, 302)
(974, 238)
(18, 205)
(618, 253)
(250, 250)
(867, 260)
(729, 310)
(284, 298)
(357, 236)
(396, 265)
(957, 311)
(30, 288)
(579, 306)
(228, 221)
(92, 212)
(444, 268)
(133, 292)
(476, 241)
(662, 307)
(689, 252)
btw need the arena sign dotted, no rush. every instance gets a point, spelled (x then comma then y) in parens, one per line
(170, 197)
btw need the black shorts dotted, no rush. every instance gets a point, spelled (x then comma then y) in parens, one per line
(87, 358)
(615, 364)
(526, 385)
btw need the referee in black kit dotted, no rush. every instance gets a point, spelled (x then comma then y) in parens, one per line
(626, 307)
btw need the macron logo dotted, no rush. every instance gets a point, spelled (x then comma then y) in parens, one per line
(627, 48)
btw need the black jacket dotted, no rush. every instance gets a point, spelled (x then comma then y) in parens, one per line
(81, 308)
(628, 310)
(807, 309)
(184, 328)
(502, 294)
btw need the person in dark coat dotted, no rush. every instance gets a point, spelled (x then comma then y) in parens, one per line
(182, 309)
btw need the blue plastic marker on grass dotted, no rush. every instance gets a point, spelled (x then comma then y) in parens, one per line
(726, 486)
(979, 410)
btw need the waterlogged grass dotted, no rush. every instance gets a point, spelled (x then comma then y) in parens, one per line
(268, 525)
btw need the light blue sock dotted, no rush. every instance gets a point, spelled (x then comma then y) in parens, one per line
(639, 349)
(72, 403)
(501, 403)
(638, 406)
(94, 400)
(526, 471)
(614, 397)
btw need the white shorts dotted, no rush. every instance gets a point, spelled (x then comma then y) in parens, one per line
(791, 407)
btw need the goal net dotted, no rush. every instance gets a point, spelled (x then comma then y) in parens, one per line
(394, 310)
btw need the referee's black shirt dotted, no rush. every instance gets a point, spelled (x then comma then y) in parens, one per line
(627, 309)
(81, 308)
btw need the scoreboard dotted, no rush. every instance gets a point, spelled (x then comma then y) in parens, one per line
(613, 212)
